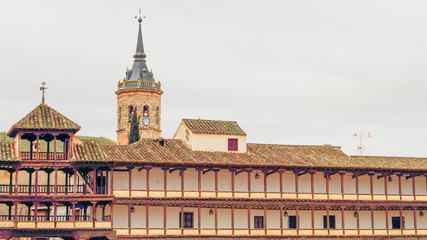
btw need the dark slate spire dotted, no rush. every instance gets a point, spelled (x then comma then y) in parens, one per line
(139, 54)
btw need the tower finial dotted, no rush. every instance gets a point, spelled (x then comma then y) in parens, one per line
(42, 88)
(139, 55)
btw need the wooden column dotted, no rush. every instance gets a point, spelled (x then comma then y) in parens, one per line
(401, 219)
(371, 184)
(296, 172)
(130, 217)
(297, 217)
(182, 220)
(233, 173)
(232, 219)
(342, 182)
(148, 180)
(55, 213)
(16, 180)
(36, 208)
(249, 182)
(75, 181)
(165, 180)
(56, 181)
(281, 182)
(93, 213)
(328, 224)
(399, 178)
(312, 217)
(216, 182)
(265, 218)
(74, 212)
(358, 220)
(48, 172)
(16, 211)
(249, 218)
(265, 171)
(181, 173)
(36, 182)
(312, 183)
(54, 147)
(372, 218)
(10, 182)
(30, 179)
(216, 219)
(386, 219)
(112, 214)
(415, 218)
(199, 181)
(130, 181)
(386, 184)
(327, 176)
(413, 185)
(147, 217)
(112, 183)
(165, 217)
(342, 219)
(281, 219)
(357, 184)
(38, 147)
(199, 218)
(95, 171)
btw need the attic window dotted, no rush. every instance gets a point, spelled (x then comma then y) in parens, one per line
(232, 144)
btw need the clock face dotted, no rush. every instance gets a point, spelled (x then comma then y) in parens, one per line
(146, 121)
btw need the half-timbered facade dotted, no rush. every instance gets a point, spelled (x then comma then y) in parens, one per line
(205, 182)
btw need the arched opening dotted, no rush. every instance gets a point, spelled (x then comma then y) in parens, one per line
(145, 111)
(130, 111)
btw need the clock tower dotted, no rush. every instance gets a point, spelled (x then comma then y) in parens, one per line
(141, 93)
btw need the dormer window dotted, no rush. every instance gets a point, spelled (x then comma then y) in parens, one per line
(233, 144)
(145, 111)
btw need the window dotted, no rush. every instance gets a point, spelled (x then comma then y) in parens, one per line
(232, 144)
(145, 111)
(331, 222)
(292, 222)
(130, 112)
(258, 221)
(188, 220)
(395, 222)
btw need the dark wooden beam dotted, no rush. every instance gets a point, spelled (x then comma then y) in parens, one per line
(271, 172)
(302, 173)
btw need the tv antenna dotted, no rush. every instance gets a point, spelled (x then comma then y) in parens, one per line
(43, 88)
(361, 136)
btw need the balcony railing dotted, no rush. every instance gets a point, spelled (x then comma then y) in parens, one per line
(60, 222)
(42, 156)
(267, 195)
(269, 232)
(43, 189)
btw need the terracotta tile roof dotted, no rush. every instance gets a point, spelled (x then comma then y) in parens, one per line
(44, 117)
(100, 140)
(175, 152)
(6, 152)
(213, 127)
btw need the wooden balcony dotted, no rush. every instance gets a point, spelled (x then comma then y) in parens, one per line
(42, 189)
(263, 195)
(143, 232)
(42, 156)
(60, 222)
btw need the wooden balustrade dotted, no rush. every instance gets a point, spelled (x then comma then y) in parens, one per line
(42, 156)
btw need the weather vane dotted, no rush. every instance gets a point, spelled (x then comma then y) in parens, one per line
(140, 17)
(42, 88)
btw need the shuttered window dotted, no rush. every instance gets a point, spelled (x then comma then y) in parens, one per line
(233, 144)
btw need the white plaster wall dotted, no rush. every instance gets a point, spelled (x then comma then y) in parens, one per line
(304, 217)
(207, 221)
(191, 181)
(208, 181)
(139, 179)
(210, 142)
(289, 182)
(257, 185)
(406, 185)
(364, 219)
(349, 184)
(319, 183)
(241, 182)
(318, 219)
(393, 186)
(421, 221)
(121, 180)
(273, 219)
(364, 184)
(379, 185)
(138, 217)
(349, 220)
(224, 218)
(156, 179)
(292, 213)
(304, 183)
(273, 182)
(240, 218)
(338, 222)
(172, 217)
(183, 133)
(335, 184)
(224, 181)
(420, 185)
(120, 216)
(155, 217)
(379, 220)
(174, 181)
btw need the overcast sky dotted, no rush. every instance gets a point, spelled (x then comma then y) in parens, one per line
(290, 72)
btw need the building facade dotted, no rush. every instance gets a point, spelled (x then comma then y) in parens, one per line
(205, 182)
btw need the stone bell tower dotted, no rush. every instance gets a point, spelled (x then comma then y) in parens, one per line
(139, 91)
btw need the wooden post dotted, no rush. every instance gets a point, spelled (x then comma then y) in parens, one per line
(233, 173)
(182, 219)
(371, 184)
(413, 185)
(165, 217)
(342, 219)
(265, 171)
(232, 219)
(342, 183)
(399, 177)
(148, 180)
(36, 182)
(249, 182)
(93, 213)
(10, 182)
(16, 180)
(55, 213)
(56, 182)
(112, 183)
(165, 180)
(281, 219)
(130, 181)
(38, 147)
(75, 181)
(297, 217)
(74, 212)
(216, 182)
(249, 218)
(130, 217)
(265, 219)
(312, 183)
(415, 218)
(386, 184)
(281, 183)
(358, 220)
(296, 172)
(328, 226)
(199, 218)
(401, 219)
(327, 176)
(199, 181)
(16, 212)
(54, 147)
(372, 218)
(312, 217)
(30, 178)
(357, 184)
(386, 219)
(181, 172)
(95, 171)
(216, 219)
(147, 217)
(36, 208)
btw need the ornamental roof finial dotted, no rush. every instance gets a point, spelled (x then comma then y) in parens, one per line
(139, 54)
(42, 88)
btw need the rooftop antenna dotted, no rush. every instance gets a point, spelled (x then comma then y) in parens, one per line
(42, 88)
(361, 136)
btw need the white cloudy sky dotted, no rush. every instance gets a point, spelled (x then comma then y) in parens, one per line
(290, 72)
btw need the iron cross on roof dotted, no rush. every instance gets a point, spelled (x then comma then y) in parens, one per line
(42, 88)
